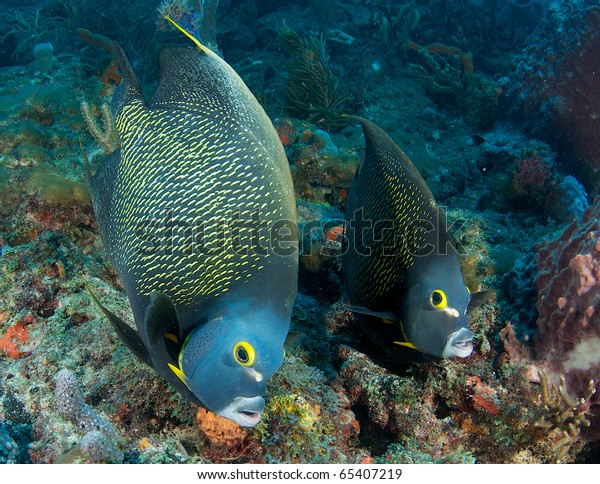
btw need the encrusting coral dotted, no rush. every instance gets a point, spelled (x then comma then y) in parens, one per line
(219, 430)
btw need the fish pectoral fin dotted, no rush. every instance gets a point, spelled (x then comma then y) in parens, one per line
(162, 321)
(385, 315)
(173, 346)
(293, 339)
(478, 299)
(129, 335)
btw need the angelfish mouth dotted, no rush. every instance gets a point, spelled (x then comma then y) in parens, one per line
(244, 411)
(251, 417)
(459, 343)
(463, 346)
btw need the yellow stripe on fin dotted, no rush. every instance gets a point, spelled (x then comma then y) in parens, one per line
(204, 49)
(180, 374)
(171, 337)
(406, 344)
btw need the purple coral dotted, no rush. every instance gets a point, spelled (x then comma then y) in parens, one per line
(71, 405)
(567, 341)
(97, 447)
(99, 434)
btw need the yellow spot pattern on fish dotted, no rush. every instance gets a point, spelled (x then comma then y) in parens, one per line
(201, 181)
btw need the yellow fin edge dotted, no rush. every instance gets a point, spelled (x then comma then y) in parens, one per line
(406, 344)
(171, 337)
(188, 35)
(180, 374)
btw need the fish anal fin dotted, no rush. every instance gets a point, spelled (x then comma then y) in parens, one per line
(129, 89)
(129, 336)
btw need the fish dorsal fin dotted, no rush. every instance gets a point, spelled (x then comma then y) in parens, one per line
(385, 315)
(380, 147)
(162, 323)
(189, 76)
(195, 78)
(129, 89)
(200, 46)
(130, 336)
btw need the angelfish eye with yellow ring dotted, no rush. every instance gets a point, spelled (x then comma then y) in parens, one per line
(438, 299)
(244, 353)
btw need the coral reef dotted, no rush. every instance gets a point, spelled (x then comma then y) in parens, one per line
(395, 24)
(442, 412)
(9, 451)
(567, 415)
(567, 200)
(9, 343)
(98, 443)
(451, 83)
(321, 170)
(306, 420)
(524, 395)
(568, 328)
(466, 58)
(70, 404)
(312, 90)
(524, 174)
(555, 87)
(219, 430)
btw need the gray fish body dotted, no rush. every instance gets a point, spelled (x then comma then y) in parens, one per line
(400, 257)
(197, 212)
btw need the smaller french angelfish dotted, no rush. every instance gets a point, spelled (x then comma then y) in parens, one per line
(196, 210)
(400, 265)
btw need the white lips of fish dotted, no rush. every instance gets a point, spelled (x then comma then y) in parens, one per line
(244, 411)
(459, 343)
